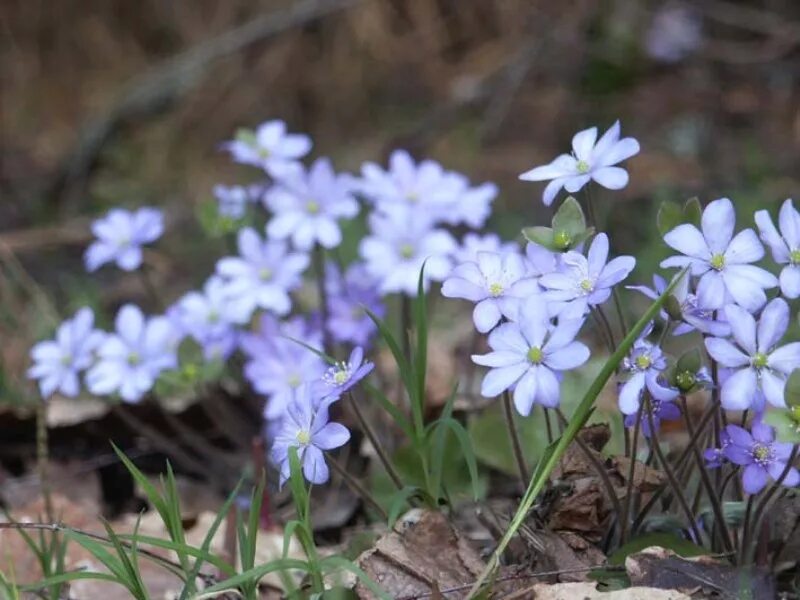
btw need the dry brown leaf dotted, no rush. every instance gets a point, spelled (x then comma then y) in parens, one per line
(423, 555)
(587, 591)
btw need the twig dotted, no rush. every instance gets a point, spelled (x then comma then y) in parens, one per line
(357, 488)
(161, 86)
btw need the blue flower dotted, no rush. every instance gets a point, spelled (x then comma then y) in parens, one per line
(760, 455)
(120, 237)
(496, 283)
(307, 206)
(586, 281)
(472, 243)
(661, 410)
(261, 276)
(343, 376)
(348, 299)
(758, 364)
(399, 243)
(277, 365)
(721, 260)
(58, 362)
(644, 364)
(307, 428)
(232, 201)
(271, 148)
(130, 360)
(785, 246)
(588, 161)
(529, 356)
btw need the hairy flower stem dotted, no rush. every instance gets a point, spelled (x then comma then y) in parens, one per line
(626, 511)
(676, 487)
(598, 467)
(516, 445)
(681, 463)
(357, 488)
(751, 529)
(43, 457)
(319, 273)
(146, 277)
(713, 498)
(548, 426)
(602, 319)
(373, 440)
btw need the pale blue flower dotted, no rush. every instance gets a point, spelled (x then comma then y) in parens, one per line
(759, 364)
(721, 260)
(59, 362)
(400, 242)
(120, 237)
(130, 360)
(277, 365)
(586, 281)
(271, 149)
(232, 201)
(261, 276)
(307, 206)
(472, 243)
(529, 355)
(208, 317)
(308, 429)
(496, 283)
(785, 246)
(588, 161)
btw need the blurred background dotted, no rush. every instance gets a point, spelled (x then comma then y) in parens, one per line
(113, 102)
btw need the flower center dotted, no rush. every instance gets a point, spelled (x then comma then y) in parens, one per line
(535, 355)
(685, 380)
(762, 453)
(587, 285)
(134, 359)
(759, 360)
(265, 274)
(66, 359)
(213, 317)
(794, 257)
(582, 166)
(294, 380)
(303, 437)
(496, 289)
(718, 262)
(312, 207)
(407, 251)
(340, 377)
(562, 240)
(264, 153)
(412, 197)
(643, 361)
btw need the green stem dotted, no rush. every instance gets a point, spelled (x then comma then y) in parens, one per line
(516, 445)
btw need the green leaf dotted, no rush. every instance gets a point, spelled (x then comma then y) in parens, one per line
(669, 217)
(680, 546)
(792, 390)
(544, 236)
(693, 212)
(466, 449)
(786, 423)
(252, 575)
(569, 218)
(421, 355)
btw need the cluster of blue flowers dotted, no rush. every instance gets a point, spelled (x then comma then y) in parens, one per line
(533, 302)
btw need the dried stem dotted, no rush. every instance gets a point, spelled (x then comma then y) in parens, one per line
(626, 511)
(357, 488)
(373, 440)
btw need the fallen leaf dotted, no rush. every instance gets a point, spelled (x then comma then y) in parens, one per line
(424, 554)
(587, 591)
